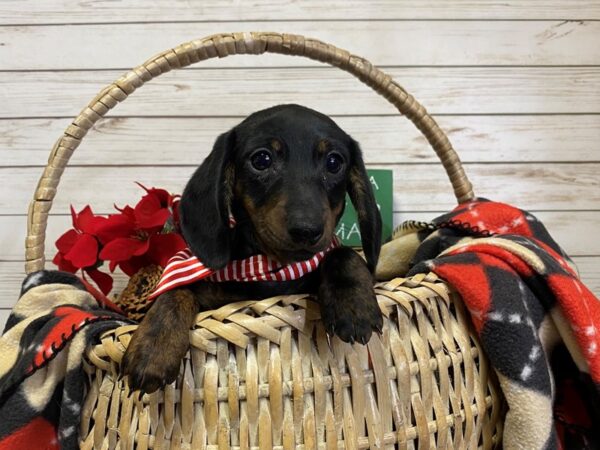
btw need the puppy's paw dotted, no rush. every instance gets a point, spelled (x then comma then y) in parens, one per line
(348, 304)
(150, 363)
(157, 347)
(350, 311)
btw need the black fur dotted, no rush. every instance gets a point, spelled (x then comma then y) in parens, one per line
(205, 204)
(208, 196)
(369, 217)
(288, 211)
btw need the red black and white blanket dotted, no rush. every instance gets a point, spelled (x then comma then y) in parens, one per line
(538, 323)
(41, 376)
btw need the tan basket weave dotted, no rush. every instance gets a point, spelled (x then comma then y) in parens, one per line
(263, 374)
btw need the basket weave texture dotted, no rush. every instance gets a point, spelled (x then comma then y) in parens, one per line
(263, 374)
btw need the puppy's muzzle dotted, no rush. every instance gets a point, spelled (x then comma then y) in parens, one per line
(306, 233)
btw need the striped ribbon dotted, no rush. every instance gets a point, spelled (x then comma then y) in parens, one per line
(184, 268)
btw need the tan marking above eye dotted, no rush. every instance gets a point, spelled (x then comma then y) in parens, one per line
(323, 145)
(276, 145)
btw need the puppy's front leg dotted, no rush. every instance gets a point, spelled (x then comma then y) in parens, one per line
(348, 304)
(159, 344)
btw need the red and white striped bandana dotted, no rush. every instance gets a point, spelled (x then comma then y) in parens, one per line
(184, 268)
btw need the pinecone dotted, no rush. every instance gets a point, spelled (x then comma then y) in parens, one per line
(134, 298)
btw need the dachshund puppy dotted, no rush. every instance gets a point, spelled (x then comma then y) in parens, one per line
(283, 174)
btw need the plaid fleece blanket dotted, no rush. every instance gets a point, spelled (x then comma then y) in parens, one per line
(41, 376)
(539, 325)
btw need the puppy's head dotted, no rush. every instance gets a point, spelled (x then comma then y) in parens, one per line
(283, 173)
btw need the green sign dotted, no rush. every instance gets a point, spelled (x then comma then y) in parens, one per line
(348, 230)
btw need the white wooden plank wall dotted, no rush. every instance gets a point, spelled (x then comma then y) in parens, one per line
(516, 84)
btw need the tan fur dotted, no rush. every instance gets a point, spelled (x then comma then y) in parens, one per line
(229, 183)
(166, 326)
(323, 146)
(276, 145)
(270, 221)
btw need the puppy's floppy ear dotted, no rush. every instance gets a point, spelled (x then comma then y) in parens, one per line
(206, 202)
(369, 218)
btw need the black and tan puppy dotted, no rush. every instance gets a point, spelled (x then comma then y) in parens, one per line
(283, 173)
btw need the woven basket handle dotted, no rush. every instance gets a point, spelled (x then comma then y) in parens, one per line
(222, 45)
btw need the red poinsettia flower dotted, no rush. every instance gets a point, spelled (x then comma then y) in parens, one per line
(78, 248)
(143, 235)
(132, 239)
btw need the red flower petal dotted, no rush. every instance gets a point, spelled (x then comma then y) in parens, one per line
(121, 249)
(142, 247)
(146, 207)
(84, 216)
(148, 204)
(63, 264)
(175, 209)
(73, 217)
(67, 241)
(149, 214)
(126, 211)
(100, 297)
(112, 266)
(84, 252)
(102, 280)
(133, 265)
(163, 247)
(156, 222)
(115, 226)
(86, 220)
(162, 195)
(85, 212)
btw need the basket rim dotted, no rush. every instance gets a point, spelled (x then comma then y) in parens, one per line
(236, 322)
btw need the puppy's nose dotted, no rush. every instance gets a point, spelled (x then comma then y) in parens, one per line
(307, 233)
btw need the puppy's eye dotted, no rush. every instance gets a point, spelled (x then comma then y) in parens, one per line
(334, 162)
(261, 160)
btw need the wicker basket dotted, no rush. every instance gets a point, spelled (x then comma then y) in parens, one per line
(263, 374)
